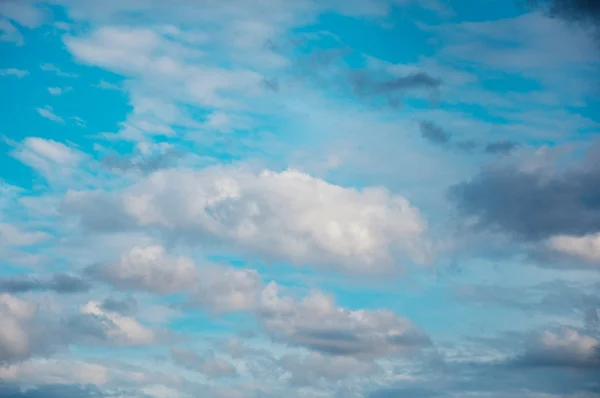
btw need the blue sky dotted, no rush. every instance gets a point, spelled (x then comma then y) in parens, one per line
(305, 199)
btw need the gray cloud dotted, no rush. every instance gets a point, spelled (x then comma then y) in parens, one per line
(145, 165)
(584, 11)
(208, 364)
(365, 85)
(50, 391)
(434, 133)
(60, 283)
(501, 147)
(127, 306)
(533, 203)
(316, 323)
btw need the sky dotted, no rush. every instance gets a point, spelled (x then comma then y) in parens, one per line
(303, 199)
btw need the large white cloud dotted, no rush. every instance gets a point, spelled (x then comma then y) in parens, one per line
(317, 323)
(280, 216)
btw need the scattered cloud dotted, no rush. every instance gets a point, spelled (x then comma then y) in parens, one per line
(54, 69)
(48, 113)
(59, 90)
(60, 283)
(14, 72)
(208, 364)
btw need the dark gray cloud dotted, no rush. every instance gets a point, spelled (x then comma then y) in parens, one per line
(434, 133)
(50, 391)
(533, 204)
(585, 11)
(501, 147)
(365, 84)
(60, 283)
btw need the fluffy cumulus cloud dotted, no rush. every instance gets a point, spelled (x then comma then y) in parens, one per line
(317, 323)
(148, 268)
(287, 216)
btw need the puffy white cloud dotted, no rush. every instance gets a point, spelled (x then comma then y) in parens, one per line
(585, 248)
(315, 322)
(281, 216)
(149, 268)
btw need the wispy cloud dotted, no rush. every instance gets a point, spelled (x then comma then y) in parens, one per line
(48, 113)
(58, 72)
(14, 72)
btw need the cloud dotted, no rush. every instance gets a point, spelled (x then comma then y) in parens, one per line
(567, 348)
(50, 158)
(50, 391)
(287, 215)
(208, 364)
(14, 339)
(367, 85)
(117, 328)
(14, 236)
(54, 69)
(316, 323)
(533, 201)
(316, 369)
(60, 283)
(584, 248)
(107, 86)
(48, 113)
(586, 12)
(59, 90)
(501, 147)
(148, 268)
(145, 163)
(14, 72)
(10, 33)
(434, 133)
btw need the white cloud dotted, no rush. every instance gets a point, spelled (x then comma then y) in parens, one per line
(24, 13)
(585, 248)
(48, 113)
(51, 158)
(107, 86)
(11, 235)
(13, 72)
(54, 69)
(315, 322)
(120, 329)
(149, 268)
(225, 289)
(287, 216)
(59, 90)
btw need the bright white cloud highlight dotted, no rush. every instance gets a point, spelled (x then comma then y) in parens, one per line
(281, 216)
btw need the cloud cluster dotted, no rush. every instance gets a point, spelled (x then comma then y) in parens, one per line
(282, 216)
